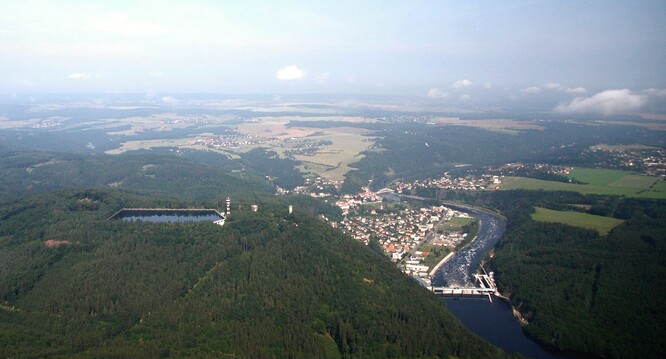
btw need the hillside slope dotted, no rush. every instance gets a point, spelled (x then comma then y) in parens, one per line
(266, 285)
(165, 175)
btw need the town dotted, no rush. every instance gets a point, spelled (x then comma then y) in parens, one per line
(417, 238)
(229, 142)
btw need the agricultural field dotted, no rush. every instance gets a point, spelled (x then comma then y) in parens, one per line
(343, 144)
(601, 224)
(596, 176)
(148, 144)
(331, 150)
(597, 181)
(345, 148)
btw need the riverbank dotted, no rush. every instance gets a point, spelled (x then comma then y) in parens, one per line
(516, 313)
(438, 265)
(491, 227)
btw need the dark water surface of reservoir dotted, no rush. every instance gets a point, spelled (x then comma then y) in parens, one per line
(494, 321)
(167, 215)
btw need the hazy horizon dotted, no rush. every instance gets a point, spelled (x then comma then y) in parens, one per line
(577, 57)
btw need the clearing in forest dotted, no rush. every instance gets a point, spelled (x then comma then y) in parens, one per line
(601, 224)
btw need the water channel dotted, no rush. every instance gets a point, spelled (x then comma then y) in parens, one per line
(494, 321)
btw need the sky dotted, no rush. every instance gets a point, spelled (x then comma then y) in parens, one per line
(454, 51)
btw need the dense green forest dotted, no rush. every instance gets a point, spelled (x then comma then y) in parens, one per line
(267, 284)
(580, 291)
(587, 293)
(163, 175)
(282, 171)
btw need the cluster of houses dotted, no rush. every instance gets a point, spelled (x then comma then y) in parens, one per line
(348, 202)
(48, 122)
(398, 230)
(449, 240)
(520, 168)
(656, 165)
(447, 181)
(229, 141)
(651, 161)
(318, 187)
(414, 265)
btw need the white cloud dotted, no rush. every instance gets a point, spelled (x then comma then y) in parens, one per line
(555, 87)
(462, 84)
(570, 90)
(291, 72)
(169, 100)
(465, 97)
(607, 102)
(531, 89)
(487, 85)
(437, 93)
(79, 76)
(574, 90)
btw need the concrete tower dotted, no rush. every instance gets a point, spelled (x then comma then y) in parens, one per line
(228, 206)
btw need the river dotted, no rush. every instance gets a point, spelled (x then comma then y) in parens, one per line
(458, 270)
(494, 321)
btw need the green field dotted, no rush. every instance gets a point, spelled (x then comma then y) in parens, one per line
(601, 224)
(597, 181)
(437, 253)
(596, 176)
(456, 223)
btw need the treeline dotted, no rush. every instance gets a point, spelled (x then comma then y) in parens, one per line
(267, 284)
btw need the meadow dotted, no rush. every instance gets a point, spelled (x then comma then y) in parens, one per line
(597, 181)
(601, 224)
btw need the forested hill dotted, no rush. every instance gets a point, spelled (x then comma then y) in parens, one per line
(597, 295)
(165, 175)
(266, 285)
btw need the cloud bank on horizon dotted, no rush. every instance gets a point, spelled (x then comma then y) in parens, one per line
(608, 102)
(446, 51)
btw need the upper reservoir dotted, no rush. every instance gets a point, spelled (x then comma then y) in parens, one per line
(167, 215)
